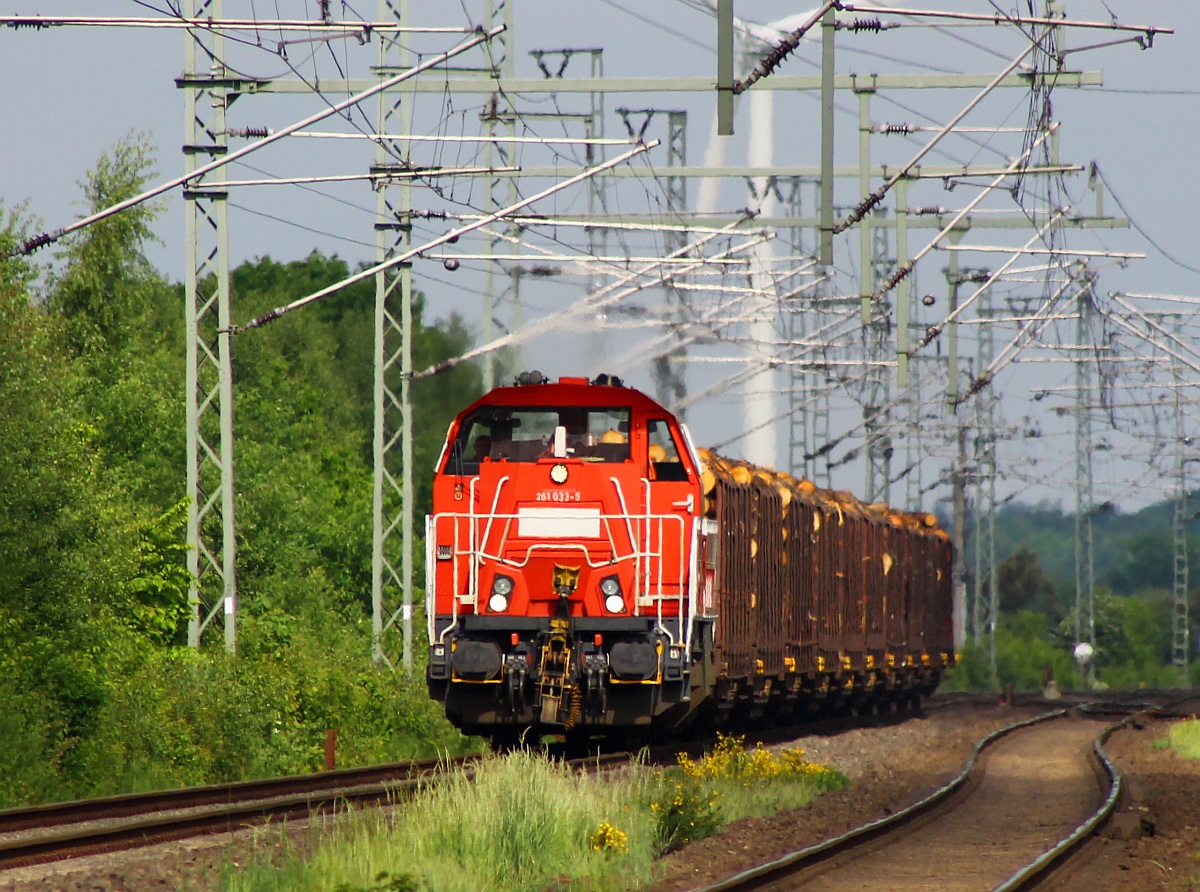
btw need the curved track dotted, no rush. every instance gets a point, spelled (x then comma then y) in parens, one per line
(1010, 815)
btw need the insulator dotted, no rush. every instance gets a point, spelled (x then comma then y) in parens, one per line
(930, 210)
(872, 25)
(255, 133)
(38, 241)
(897, 129)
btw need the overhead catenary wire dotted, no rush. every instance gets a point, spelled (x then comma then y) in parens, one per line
(606, 296)
(871, 201)
(453, 235)
(211, 24)
(728, 325)
(32, 244)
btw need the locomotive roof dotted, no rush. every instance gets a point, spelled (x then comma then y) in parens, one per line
(567, 392)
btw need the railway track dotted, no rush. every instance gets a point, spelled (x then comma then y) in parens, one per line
(55, 832)
(59, 831)
(43, 833)
(1028, 796)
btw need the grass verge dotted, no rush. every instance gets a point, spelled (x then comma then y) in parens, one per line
(530, 825)
(1184, 738)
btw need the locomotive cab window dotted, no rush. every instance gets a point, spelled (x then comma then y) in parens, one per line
(663, 452)
(513, 434)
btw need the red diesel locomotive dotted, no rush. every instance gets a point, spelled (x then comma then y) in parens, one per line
(590, 571)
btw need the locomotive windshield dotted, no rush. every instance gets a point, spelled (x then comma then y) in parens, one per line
(525, 434)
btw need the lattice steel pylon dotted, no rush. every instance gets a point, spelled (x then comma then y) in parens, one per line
(209, 375)
(874, 264)
(1085, 612)
(986, 610)
(392, 508)
(1180, 643)
(808, 418)
(497, 153)
(670, 385)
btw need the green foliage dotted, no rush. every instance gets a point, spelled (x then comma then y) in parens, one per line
(1023, 586)
(30, 726)
(1133, 638)
(106, 287)
(99, 697)
(187, 718)
(1132, 551)
(684, 810)
(1132, 647)
(1026, 645)
(159, 591)
(305, 397)
(1184, 738)
(384, 882)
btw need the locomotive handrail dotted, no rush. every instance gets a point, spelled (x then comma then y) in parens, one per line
(691, 592)
(685, 620)
(637, 576)
(643, 556)
(636, 551)
(477, 547)
(558, 546)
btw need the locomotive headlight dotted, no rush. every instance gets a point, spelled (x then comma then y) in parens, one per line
(614, 601)
(502, 587)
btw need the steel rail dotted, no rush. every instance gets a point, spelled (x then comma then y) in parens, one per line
(874, 829)
(34, 849)
(137, 818)
(133, 804)
(1051, 859)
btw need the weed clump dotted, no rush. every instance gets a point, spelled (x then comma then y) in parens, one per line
(731, 782)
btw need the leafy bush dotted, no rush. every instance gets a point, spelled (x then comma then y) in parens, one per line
(1026, 644)
(190, 718)
(1184, 738)
(731, 782)
(684, 810)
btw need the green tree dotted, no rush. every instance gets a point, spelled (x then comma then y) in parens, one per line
(99, 695)
(1023, 586)
(305, 404)
(123, 323)
(106, 288)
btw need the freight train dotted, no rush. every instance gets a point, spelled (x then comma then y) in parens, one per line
(589, 571)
